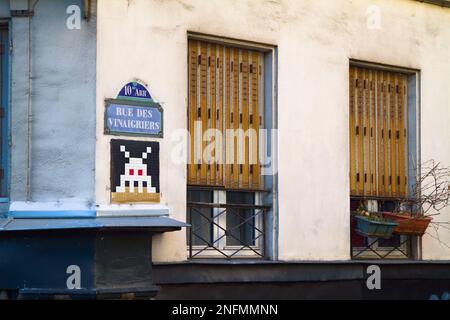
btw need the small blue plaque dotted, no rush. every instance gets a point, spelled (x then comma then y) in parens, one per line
(134, 90)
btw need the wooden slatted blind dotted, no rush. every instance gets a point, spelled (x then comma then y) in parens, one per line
(226, 95)
(378, 133)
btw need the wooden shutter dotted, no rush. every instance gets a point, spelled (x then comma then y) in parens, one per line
(225, 93)
(378, 133)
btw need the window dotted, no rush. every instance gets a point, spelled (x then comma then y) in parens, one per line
(227, 113)
(200, 218)
(383, 148)
(4, 145)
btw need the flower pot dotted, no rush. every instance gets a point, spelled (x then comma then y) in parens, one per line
(409, 225)
(371, 228)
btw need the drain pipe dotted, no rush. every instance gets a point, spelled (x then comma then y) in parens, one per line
(30, 92)
(29, 108)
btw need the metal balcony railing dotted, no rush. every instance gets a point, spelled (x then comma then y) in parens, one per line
(213, 235)
(396, 247)
(378, 248)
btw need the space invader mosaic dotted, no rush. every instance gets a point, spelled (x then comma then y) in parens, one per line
(134, 171)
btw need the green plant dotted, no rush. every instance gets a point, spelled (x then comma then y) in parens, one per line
(373, 216)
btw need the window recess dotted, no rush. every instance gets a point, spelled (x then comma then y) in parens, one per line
(383, 137)
(228, 200)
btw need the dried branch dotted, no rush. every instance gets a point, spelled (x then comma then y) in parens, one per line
(431, 190)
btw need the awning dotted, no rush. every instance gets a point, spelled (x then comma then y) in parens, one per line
(154, 224)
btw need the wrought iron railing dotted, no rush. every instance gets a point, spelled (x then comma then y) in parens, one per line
(363, 247)
(212, 235)
(379, 248)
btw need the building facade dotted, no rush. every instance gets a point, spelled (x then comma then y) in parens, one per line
(251, 129)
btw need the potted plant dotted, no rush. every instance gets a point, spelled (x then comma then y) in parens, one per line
(409, 224)
(373, 224)
(431, 191)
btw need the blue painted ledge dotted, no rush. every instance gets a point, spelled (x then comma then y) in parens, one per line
(52, 214)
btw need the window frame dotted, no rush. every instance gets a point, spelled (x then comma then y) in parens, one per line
(413, 100)
(268, 245)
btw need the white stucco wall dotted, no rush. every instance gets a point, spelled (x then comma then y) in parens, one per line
(315, 39)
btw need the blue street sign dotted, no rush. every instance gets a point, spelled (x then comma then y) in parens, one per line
(123, 117)
(134, 113)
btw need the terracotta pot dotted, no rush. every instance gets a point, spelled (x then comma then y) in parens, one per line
(408, 224)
